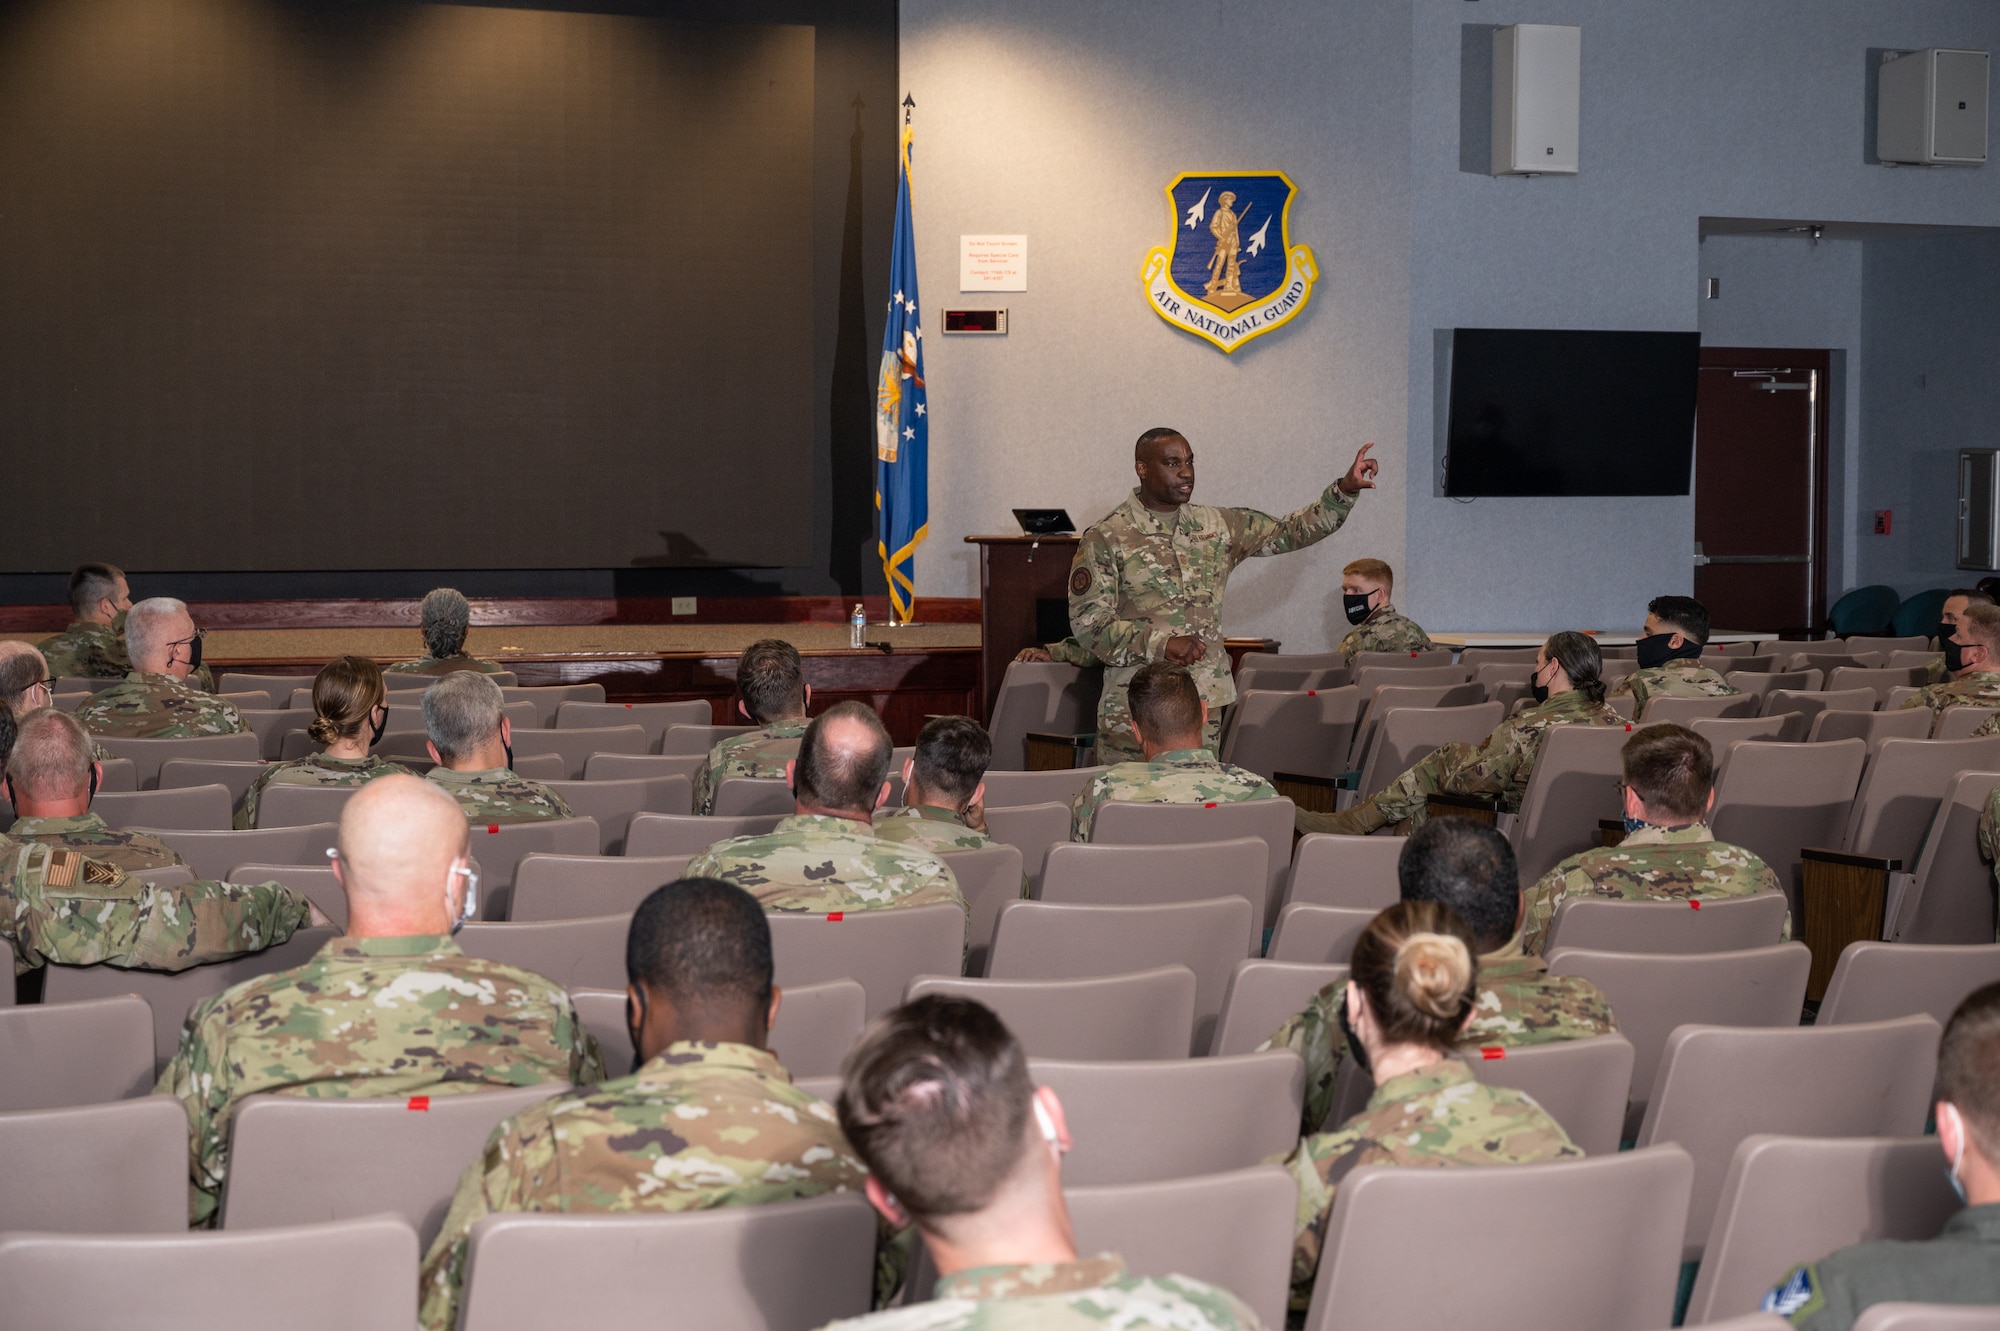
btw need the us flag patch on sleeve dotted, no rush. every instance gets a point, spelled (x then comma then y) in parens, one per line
(61, 869)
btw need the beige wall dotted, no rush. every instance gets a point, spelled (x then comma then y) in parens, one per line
(1065, 121)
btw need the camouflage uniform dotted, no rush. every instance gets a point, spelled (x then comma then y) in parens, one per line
(699, 1126)
(148, 706)
(441, 665)
(1385, 630)
(134, 852)
(60, 906)
(813, 862)
(1178, 776)
(1960, 1266)
(929, 827)
(1434, 1117)
(1989, 826)
(88, 651)
(1140, 578)
(318, 770)
(1981, 688)
(497, 795)
(1651, 864)
(369, 1017)
(1071, 652)
(758, 753)
(1499, 765)
(1519, 1004)
(1068, 1296)
(1683, 677)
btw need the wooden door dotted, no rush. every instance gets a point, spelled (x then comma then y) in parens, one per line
(1760, 488)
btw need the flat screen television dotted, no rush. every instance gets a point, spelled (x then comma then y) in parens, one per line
(1543, 412)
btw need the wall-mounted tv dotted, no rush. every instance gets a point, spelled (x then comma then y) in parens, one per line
(1543, 412)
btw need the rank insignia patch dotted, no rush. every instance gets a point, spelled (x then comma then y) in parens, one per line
(1232, 273)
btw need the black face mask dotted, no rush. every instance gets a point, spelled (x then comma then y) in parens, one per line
(1654, 651)
(375, 731)
(1354, 1049)
(1356, 605)
(194, 654)
(635, 1018)
(1536, 689)
(1954, 653)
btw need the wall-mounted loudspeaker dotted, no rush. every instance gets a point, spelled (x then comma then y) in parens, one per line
(1930, 107)
(1537, 99)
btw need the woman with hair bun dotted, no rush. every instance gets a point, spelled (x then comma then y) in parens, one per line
(1411, 990)
(1568, 684)
(350, 708)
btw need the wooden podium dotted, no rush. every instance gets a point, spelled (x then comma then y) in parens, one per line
(1023, 593)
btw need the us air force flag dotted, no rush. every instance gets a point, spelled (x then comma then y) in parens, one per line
(902, 430)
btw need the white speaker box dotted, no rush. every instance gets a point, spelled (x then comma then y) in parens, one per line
(1537, 99)
(1930, 108)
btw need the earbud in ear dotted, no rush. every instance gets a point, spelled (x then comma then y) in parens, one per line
(1047, 1124)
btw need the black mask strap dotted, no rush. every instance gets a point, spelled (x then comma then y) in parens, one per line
(635, 1021)
(375, 730)
(1354, 1049)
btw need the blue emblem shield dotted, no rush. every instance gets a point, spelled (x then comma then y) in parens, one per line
(1231, 272)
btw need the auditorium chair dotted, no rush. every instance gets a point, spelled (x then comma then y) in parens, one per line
(1721, 924)
(1621, 651)
(1266, 678)
(1488, 673)
(343, 1276)
(817, 1024)
(1290, 661)
(1110, 1018)
(1334, 870)
(68, 702)
(614, 804)
(1046, 696)
(1616, 667)
(1061, 786)
(59, 1055)
(280, 687)
(1723, 731)
(270, 727)
(573, 887)
(1574, 787)
(1120, 875)
(237, 777)
(1915, 658)
(689, 834)
(1912, 643)
(1136, 1122)
(1653, 994)
(1718, 1085)
(212, 854)
(146, 755)
(294, 1160)
(988, 877)
(1389, 696)
(1898, 696)
(1759, 683)
(697, 740)
(1876, 981)
(88, 685)
(1307, 733)
(1881, 678)
(405, 717)
(1680, 711)
(1041, 940)
(741, 796)
(246, 700)
(1838, 659)
(315, 880)
(1371, 677)
(881, 949)
(1405, 735)
(1263, 995)
(1959, 722)
(500, 847)
(1124, 823)
(1773, 799)
(708, 1268)
(1411, 660)
(1763, 664)
(1318, 935)
(651, 717)
(1625, 705)
(1787, 1201)
(1948, 895)
(1929, 1317)
(188, 808)
(627, 766)
(548, 697)
(286, 805)
(170, 996)
(1871, 728)
(575, 953)
(114, 1168)
(1032, 829)
(1616, 1267)
(1736, 649)
(1233, 1230)
(576, 746)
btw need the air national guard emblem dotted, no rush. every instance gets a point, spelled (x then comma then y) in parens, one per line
(1232, 272)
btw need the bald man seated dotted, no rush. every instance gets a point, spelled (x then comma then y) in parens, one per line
(52, 776)
(155, 700)
(392, 1008)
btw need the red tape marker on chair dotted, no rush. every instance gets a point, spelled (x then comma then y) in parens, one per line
(493, 829)
(1490, 1052)
(1694, 905)
(1209, 805)
(835, 916)
(419, 1103)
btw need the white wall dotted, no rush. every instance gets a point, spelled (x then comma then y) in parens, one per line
(1065, 120)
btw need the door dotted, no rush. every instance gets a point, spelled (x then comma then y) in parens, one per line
(1760, 488)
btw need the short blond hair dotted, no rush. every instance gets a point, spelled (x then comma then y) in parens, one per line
(1372, 569)
(1984, 621)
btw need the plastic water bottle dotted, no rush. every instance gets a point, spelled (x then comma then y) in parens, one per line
(857, 627)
